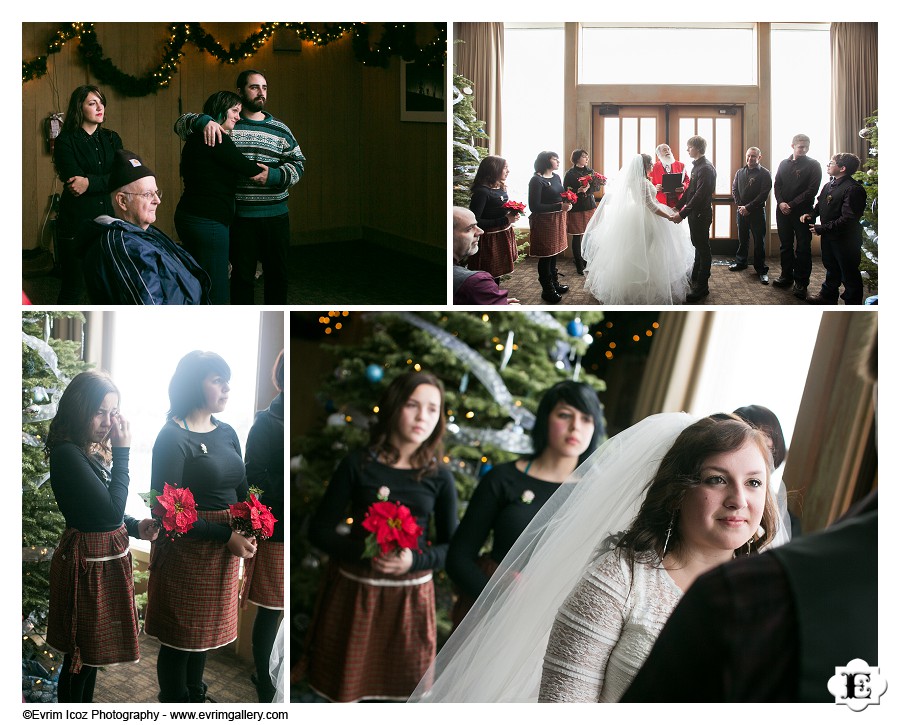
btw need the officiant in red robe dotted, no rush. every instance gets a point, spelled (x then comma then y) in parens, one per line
(666, 164)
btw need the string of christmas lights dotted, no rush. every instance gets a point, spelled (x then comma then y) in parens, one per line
(397, 39)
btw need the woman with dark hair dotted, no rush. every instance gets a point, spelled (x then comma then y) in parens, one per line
(635, 256)
(548, 223)
(583, 209)
(93, 619)
(568, 426)
(83, 155)
(204, 213)
(497, 251)
(264, 575)
(192, 594)
(696, 495)
(374, 632)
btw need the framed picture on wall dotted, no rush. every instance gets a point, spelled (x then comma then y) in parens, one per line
(423, 94)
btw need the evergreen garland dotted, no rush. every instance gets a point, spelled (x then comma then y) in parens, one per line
(397, 39)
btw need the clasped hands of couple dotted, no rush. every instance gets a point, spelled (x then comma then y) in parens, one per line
(675, 218)
(212, 134)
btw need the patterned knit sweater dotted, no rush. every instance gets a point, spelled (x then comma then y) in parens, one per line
(605, 630)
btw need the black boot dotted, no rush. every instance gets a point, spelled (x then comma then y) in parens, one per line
(545, 277)
(580, 264)
(561, 289)
(197, 693)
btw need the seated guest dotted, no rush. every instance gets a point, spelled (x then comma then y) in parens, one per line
(472, 287)
(130, 262)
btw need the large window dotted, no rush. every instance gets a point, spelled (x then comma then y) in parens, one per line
(143, 350)
(801, 91)
(532, 100)
(631, 53)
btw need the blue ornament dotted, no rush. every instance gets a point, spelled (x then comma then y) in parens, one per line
(485, 467)
(575, 327)
(374, 373)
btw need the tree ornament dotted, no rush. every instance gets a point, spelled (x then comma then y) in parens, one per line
(374, 373)
(575, 328)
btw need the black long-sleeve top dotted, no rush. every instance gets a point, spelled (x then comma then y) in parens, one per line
(78, 153)
(796, 182)
(355, 486)
(91, 496)
(586, 200)
(698, 196)
(502, 504)
(211, 176)
(487, 206)
(264, 459)
(210, 464)
(751, 187)
(840, 206)
(543, 194)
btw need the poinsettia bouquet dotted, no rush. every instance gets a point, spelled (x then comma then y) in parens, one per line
(569, 197)
(392, 527)
(516, 206)
(252, 518)
(599, 178)
(173, 509)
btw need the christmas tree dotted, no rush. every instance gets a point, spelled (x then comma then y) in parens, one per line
(47, 366)
(494, 367)
(868, 177)
(467, 129)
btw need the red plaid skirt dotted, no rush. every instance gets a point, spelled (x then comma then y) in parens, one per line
(192, 593)
(497, 253)
(577, 221)
(548, 234)
(264, 576)
(374, 635)
(92, 612)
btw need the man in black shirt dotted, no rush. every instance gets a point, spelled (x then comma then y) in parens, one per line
(839, 207)
(796, 183)
(696, 207)
(750, 189)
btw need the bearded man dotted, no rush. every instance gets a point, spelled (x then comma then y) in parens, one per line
(667, 164)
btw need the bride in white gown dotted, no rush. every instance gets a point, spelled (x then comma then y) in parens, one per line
(635, 255)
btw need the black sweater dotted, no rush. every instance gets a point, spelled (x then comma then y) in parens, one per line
(354, 487)
(210, 176)
(210, 464)
(487, 206)
(543, 194)
(90, 496)
(265, 459)
(497, 505)
(586, 200)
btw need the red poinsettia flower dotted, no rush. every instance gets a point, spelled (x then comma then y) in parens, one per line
(393, 527)
(175, 509)
(252, 518)
(569, 197)
(585, 180)
(516, 206)
(601, 179)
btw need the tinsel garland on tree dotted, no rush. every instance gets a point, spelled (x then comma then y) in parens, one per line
(396, 39)
(467, 129)
(47, 366)
(520, 355)
(868, 177)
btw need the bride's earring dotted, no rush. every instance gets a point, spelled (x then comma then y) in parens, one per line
(668, 534)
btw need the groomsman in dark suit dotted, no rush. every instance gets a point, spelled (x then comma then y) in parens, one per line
(750, 189)
(696, 206)
(796, 183)
(840, 206)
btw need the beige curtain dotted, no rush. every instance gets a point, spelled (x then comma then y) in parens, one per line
(854, 84)
(479, 57)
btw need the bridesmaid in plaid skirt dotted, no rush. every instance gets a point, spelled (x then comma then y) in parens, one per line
(548, 223)
(497, 250)
(192, 594)
(93, 619)
(374, 633)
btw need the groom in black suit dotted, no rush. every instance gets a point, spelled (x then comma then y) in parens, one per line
(696, 207)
